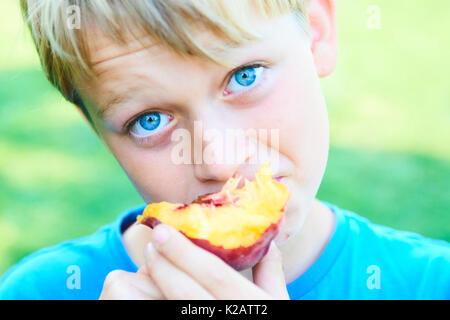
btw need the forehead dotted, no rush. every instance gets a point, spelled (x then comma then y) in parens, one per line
(142, 62)
(102, 48)
(182, 25)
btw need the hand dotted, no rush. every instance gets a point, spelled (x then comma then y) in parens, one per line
(181, 270)
(122, 285)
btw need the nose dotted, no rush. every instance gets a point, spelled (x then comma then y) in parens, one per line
(223, 153)
(215, 172)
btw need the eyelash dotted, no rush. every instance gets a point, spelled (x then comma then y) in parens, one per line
(251, 87)
(149, 139)
(129, 124)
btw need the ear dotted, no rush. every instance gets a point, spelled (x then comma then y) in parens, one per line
(324, 38)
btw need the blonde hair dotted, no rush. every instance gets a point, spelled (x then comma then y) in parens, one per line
(64, 53)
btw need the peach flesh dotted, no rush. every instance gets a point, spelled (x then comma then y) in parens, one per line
(239, 258)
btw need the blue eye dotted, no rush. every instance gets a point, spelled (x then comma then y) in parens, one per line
(150, 124)
(244, 78)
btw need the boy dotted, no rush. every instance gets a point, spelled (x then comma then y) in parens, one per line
(141, 70)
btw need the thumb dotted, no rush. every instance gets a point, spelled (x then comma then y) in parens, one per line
(268, 274)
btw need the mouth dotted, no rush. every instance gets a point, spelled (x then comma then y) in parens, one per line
(278, 179)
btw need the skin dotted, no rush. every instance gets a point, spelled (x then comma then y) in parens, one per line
(288, 98)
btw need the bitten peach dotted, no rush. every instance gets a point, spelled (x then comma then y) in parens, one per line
(236, 224)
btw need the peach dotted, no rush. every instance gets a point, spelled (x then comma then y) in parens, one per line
(235, 224)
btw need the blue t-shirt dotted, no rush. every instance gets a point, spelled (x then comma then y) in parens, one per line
(361, 261)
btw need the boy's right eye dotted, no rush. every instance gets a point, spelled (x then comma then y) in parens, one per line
(149, 124)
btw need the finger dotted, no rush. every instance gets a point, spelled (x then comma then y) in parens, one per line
(135, 239)
(213, 274)
(268, 274)
(121, 285)
(126, 292)
(174, 283)
(143, 270)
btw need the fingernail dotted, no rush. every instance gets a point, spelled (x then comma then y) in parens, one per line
(160, 234)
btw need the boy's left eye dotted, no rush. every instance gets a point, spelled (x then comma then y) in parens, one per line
(244, 78)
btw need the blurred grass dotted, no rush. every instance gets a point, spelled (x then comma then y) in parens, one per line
(388, 103)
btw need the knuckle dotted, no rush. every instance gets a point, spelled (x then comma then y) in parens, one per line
(219, 279)
(113, 278)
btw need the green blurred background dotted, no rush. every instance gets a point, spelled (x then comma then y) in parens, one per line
(389, 107)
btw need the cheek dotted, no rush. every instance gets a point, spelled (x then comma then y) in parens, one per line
(297, 108)
(150, 170)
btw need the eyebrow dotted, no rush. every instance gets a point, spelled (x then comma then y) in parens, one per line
(111, 103)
